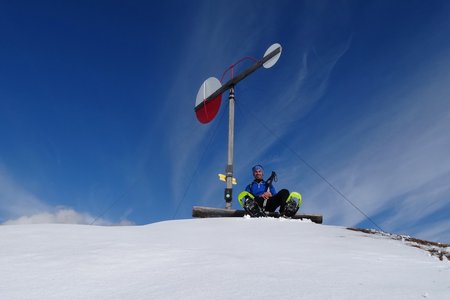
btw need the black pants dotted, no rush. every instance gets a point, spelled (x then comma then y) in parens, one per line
(277, 200)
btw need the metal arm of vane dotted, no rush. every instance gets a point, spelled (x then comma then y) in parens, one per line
(233, 81)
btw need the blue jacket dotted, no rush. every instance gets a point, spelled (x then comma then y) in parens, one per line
(258, 188)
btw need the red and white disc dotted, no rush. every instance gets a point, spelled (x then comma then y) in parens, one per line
(207, 110)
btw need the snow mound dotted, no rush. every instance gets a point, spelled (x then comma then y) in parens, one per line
(214, 259)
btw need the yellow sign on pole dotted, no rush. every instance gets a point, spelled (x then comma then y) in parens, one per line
(223, 177)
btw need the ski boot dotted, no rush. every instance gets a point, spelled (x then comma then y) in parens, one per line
(253, 209)
(250, 205)
(292, 205)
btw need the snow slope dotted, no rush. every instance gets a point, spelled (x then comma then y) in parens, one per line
(238, 258)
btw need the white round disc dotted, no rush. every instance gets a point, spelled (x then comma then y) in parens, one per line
(273, 60)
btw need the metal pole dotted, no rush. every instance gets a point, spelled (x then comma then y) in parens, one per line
(229, 169)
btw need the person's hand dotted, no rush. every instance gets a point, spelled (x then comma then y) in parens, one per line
(266, 195)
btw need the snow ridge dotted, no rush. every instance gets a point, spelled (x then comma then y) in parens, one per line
(214, 259)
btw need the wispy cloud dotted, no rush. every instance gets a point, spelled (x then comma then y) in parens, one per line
(63, 216)
(310, 83)
(19, 206)
(395, 159)
(15, 200)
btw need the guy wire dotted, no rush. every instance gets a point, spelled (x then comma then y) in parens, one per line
(333, 187)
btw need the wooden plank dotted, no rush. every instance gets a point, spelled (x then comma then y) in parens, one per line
(213, 212)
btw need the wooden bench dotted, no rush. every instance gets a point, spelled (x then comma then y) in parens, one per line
(212, 212)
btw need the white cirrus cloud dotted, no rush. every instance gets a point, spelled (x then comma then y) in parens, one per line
(20, 206)
(63, 216)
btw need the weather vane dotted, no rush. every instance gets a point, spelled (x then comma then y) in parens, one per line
(209, 98)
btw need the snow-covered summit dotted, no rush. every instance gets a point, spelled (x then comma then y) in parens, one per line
(214, 259)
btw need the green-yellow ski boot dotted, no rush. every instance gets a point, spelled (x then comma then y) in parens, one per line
(249, 204)
(292, 205)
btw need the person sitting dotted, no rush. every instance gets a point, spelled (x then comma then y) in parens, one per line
(266, 197)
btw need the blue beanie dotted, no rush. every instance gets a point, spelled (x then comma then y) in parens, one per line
(257, 168)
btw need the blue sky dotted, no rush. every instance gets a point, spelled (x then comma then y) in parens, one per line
(97, 119)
